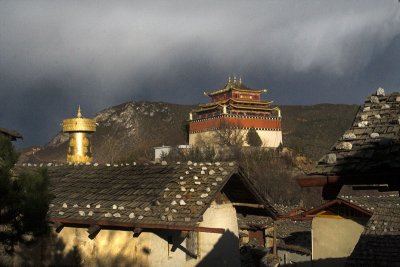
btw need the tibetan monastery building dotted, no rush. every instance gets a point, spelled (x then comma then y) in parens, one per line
(235, 108)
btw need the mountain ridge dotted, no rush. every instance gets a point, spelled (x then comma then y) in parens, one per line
(130, 130)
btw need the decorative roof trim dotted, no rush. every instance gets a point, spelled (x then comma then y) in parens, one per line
(244, 128)
(223, 90)
(238, 116)
(313, 212)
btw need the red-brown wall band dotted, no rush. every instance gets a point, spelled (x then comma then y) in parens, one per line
(213, 123)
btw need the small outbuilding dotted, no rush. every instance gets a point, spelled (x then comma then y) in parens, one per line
(337, 225)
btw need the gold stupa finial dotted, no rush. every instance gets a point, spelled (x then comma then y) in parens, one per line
(240, 80)
(79, 114)
(229, 79)
(234, 79)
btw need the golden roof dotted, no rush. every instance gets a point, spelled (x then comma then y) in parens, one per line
(79, 124)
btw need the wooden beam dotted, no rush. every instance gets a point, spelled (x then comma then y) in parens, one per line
(249, 205)
(137, 231)
(380, 188)
(314, 181)
(198, 244)
(191, 245)
(58, 226)
(93, 230)
(274, 240)
(129, 226)
(390, 178)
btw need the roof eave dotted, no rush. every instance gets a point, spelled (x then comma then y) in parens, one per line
(313, 212)
(131, 226)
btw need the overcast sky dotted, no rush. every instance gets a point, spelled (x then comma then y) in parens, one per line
(55, 55)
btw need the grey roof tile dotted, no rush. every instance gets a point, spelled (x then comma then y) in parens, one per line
(379, 244)
(123, 190)
(368, 154)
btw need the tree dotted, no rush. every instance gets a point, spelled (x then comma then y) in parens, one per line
(229, 134)
(185, 130)
(24, 199)
(252, 138)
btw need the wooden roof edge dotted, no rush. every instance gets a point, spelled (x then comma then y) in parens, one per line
(312, 212)
(131, 226)
(318, 180)
(294, 214)
(219, 189)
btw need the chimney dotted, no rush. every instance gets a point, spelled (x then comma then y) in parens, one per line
(80, 130)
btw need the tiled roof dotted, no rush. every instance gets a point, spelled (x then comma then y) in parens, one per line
(250, 221)
(372, 201)
(288, 228)
(293, 234)
(174, 194)
(12, 133)
(372, 144)
(379, 245)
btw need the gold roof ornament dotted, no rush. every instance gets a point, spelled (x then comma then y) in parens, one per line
(79, 124)
(79, 130)
(79, 114)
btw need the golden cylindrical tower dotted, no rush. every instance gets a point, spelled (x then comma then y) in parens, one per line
(79, 130)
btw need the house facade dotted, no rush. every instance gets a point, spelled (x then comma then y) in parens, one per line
(145, 215)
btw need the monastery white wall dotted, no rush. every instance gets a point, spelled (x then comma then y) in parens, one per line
(270, 139)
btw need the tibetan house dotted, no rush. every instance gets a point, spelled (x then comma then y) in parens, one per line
(338, 226)
(366, 159)
(233, 110)
(367, 156)
(183, 214)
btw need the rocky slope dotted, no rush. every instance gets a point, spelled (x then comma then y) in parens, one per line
(129, 131)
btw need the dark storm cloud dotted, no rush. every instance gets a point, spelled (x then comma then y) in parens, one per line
(55, 55)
